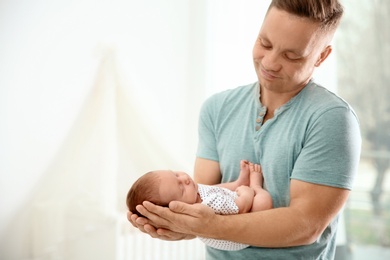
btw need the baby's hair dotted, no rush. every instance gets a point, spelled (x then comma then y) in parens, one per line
(145, 188)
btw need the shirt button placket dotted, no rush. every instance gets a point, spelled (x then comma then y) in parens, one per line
(259, 120)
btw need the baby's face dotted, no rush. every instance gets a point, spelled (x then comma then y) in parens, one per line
(177, 186)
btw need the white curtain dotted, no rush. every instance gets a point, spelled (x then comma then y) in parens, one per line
(82, 192)
(93, 94)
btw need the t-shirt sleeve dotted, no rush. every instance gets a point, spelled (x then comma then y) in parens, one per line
(331, 150)
(207, 144)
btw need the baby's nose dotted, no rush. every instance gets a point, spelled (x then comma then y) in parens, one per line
(185, 179)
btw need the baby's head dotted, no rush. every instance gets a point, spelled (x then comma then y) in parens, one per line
(145, 188)
(161, 187)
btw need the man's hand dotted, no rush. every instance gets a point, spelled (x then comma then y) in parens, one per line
(180, 218)
(163, 234)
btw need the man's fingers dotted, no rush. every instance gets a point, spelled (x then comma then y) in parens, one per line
(158, 233)
(156, 215)
(172, 236)
(165, 234)
(154, 211)
(135, 220)
(152, 231)
(131, 219)
(141, 209)
(153, 224)
(141, 221)
(171, 223)
(180, 207)
(193, 210)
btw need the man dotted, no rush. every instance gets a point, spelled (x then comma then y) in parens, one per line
(306, 139)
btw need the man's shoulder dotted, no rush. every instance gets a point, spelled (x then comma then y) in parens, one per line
(321, 92)
(317, 100)
(318, 96)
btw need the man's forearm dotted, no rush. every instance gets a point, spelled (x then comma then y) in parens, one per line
(312, 207)
(281, 227)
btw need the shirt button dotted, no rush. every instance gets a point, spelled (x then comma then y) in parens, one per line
(258, 120)
(261, 113)
(257, 128)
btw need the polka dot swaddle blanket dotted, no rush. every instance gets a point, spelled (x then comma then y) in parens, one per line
(222, 201)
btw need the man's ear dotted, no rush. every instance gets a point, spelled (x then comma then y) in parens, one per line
(324, 54)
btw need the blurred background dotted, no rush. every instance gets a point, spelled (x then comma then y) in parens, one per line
(95, 93)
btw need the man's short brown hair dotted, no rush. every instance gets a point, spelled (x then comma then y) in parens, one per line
(327, 13)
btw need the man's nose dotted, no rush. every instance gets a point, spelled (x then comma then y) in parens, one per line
(271, 61)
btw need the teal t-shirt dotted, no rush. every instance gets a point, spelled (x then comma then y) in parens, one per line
(315, 138)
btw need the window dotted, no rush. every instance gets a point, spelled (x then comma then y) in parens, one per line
(363, 69)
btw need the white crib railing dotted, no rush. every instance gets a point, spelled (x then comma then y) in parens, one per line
(139, 246)
(80, 236)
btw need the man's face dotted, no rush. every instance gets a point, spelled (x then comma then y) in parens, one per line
(178, 186)
(286, 51)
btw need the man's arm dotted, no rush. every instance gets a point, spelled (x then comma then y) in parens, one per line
(207, 171)
(311, 209)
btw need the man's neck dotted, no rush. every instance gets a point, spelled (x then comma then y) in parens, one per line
(273, 100)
